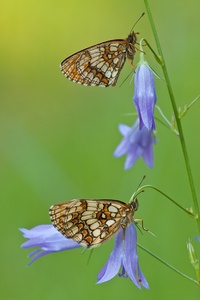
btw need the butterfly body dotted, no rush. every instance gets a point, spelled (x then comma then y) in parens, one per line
(91, 222)
(101, 64)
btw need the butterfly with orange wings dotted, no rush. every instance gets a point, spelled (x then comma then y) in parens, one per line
(100, 64)
(92, 222)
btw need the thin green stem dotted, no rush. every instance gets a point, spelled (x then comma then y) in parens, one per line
(167, 121)
(168, 265)
(165, 195)
(176, 115)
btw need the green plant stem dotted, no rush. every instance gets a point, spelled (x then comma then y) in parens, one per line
(169, 198)
(168, 265)
(178, 121)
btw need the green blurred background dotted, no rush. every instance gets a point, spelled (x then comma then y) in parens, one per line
(58, 138)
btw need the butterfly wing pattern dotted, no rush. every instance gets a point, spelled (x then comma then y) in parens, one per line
(100, 65)
(91, 222)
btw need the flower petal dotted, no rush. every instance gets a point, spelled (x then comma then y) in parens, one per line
(135, 144)
(122, 148)
(130, 261)
(142, 279)
(35, 231)
(131, 158)
(148, 155)
(145, 96)
(124, 129)
(113, 264)
(130, 251)
(48, 239)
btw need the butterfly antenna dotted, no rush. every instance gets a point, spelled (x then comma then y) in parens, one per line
(139, 185)
(137, 21)
(135, 193)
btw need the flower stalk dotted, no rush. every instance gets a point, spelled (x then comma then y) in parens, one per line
(141, 189)
(167, 264)
(176, 115)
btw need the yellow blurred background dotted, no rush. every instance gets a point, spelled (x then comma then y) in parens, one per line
(58, 139)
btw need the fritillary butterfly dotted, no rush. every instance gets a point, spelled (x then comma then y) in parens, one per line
(101, 64)
(92, 222)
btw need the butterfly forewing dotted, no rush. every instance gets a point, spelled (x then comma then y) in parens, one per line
(99, 65)
(91, 222)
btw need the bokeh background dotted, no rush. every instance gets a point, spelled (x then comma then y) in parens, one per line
(58, 139)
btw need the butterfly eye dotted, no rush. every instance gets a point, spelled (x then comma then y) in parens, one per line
(135, 204)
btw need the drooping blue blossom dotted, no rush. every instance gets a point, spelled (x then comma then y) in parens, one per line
(47, 239)
(124, 257)
(136, 143)
(145, 95)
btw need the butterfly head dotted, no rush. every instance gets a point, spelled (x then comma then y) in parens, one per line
(135, 204)
(132, 38)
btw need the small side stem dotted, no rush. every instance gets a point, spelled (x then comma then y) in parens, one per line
(165, 195)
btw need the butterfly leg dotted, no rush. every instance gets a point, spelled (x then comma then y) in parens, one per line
(142, 222)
